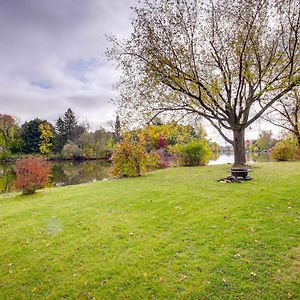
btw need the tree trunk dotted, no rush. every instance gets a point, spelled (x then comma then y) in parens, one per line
(298, 139)
(239, 147)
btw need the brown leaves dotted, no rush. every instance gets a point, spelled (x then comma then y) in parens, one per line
(104, 281)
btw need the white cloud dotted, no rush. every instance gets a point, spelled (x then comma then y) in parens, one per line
(40, 43)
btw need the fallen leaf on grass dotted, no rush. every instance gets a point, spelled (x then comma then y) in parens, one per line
(182, 277)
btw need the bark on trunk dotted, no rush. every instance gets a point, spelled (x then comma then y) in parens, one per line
(298, 139)
(239, 147)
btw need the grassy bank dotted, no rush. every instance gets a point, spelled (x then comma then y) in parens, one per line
(172, 234)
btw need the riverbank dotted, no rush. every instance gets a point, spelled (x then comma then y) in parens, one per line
(12, 159)
(174, 233)
(63, 172)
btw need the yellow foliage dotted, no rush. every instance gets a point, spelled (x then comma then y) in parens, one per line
(45, 138)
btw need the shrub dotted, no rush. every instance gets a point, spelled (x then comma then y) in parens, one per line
(72, 150)
(130, 159)
(5, 155)
(162, 142)
(32, 174)
(283, 151)
(163, 158)
(195, 153)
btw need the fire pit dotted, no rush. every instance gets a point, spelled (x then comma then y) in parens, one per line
(239, 172)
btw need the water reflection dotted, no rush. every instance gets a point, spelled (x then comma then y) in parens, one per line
(70, 172)
(63, 173)
(228, 158)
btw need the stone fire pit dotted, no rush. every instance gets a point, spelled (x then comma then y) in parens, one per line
(238, 174)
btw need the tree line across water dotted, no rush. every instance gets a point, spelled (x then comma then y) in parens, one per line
(66, 138)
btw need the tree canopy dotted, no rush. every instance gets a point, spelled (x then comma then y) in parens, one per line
(227, 61)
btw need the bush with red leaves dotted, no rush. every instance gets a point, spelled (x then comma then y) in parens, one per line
(162, 142)
(32, 174)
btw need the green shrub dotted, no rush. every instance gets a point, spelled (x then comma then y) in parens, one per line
(195, 153)
(5, 155)
(283, 151)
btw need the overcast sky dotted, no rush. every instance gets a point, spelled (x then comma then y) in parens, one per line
(52, 57)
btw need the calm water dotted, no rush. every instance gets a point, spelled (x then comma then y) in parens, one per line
(70, 173)
(63, 173)
(228, 158)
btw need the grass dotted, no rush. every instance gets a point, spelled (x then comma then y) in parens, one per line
(172, 234)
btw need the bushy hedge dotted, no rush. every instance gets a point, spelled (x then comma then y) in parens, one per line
(283, 151)
(195, 153)
(130, 159)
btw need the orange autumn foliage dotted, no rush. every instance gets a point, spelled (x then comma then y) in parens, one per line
(32, 174)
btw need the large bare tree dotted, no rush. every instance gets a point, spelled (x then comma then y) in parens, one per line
(225, 60)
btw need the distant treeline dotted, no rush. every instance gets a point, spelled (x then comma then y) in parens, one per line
(66, 138)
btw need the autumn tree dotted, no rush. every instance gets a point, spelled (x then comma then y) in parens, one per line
(265, 140)
(227, 61)
(46, 136)
(8, 130)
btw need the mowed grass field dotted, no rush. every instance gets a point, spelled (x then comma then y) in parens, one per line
(171, 234)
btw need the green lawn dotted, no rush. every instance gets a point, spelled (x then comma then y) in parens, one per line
(172, 234)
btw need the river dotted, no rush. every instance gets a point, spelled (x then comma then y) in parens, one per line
(228, 158)
(63, 173)
(77, 172)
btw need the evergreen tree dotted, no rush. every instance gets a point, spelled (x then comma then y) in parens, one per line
(59, 138)
(66, 129)
(30, 135)
(117, 133)
(70, 124)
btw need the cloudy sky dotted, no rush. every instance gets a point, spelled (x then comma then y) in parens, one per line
(52, 57)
